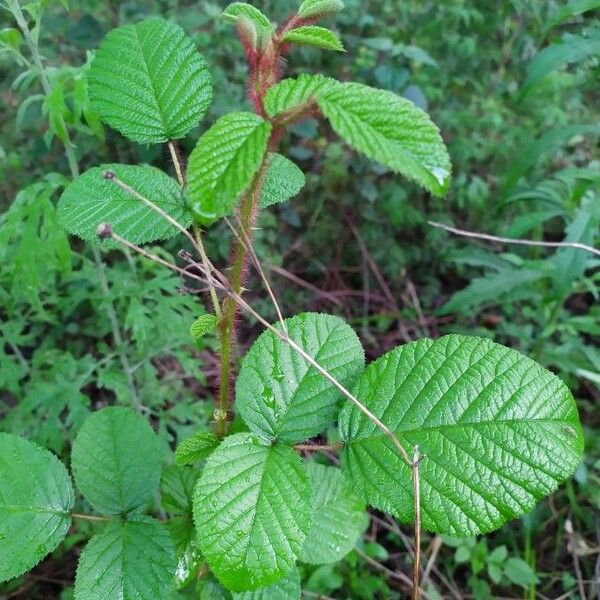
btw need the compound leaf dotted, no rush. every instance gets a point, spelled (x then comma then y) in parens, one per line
(92, 199)
(339, 517)
(291, 93)
(390, 130)
(116, 461)
(224, 162)
(36, 498)
(252, 511)
(128, 560)
(287, 588)
(149, 82)
(195, 448)
(319, 8)
(280, 395)
(378, 123)
(283, 181)
(317, 37)
(497, 430)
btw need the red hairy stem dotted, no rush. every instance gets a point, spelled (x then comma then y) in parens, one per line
(265, 67)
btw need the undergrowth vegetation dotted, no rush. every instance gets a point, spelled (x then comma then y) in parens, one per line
(299, 300)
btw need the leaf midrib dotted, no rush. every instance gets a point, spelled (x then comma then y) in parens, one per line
(441, 428)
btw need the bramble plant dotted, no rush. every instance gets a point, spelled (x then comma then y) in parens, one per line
(457, 435)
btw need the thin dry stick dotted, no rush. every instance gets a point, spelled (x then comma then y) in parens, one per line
(417, 501)
(196, 242)
(435, 548)
(319, 447)
(503, 240)
(112, 176)
(207, 265)
(90, 517)
(105, 231)
(176, 163)
(398, 576)
(305, 284)
(250, 249)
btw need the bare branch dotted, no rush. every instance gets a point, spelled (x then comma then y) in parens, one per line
(503, 240)
(176, 163)
(417, 502)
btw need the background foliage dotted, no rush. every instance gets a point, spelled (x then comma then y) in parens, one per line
(513, 86)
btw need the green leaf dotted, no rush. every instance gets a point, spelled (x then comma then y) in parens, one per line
(491, 289)
(378, 123)
(254, 22)
(339, 517)
(116, 461)
(390, 130)
(497, 430)
(519, 572)
(283, 181)
(571, 50)
(291, 93)
(280, 395)
(149, 82)
(224, 163)
(287, 588)
(202, 325)
(319, 8)
(128, 560)
(196, 447)
(572, 9)
(252, 511)
(176, 489)
(317, 37)
(36, 498)
(571, 263)
(92, 199)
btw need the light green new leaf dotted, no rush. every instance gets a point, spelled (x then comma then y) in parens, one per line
(116, 461)
(92, 199)
(224, 163)
(287, 588)
(291, 93)
(283, 181)
(195, 448)
(149, 82)
(252, 511)
(317, 37)
(202, 325)
(390, 130)
(280, 395)
(319, 8)
(238, 10)
(36, 498)
(251, 19)
(497, 430)
(128, 560)
(339, 517)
